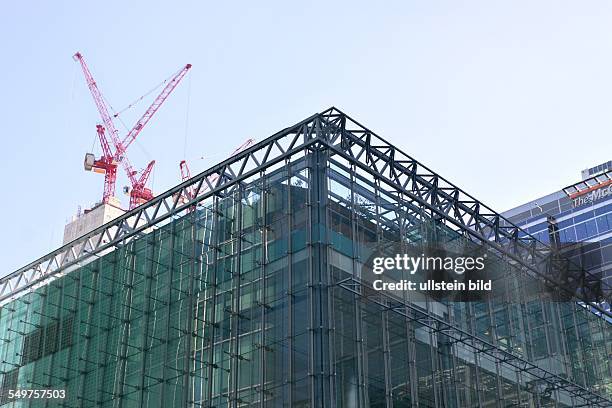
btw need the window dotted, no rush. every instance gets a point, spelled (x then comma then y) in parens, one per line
(567, 235)
(9, 382)
(591, 227)
(582, 217)
(47, 340)
(581, 232)
(602, 224)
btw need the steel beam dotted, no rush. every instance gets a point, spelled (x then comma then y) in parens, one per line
(435, 324)
(345, 138)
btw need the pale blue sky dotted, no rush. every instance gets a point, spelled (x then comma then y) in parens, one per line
(509, 100)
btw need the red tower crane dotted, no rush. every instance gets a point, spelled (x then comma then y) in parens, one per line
(107, 163)
(186, 174)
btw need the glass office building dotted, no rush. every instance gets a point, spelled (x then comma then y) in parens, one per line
(577, 219)
(248, 285)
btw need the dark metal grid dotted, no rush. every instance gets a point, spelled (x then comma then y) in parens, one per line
(599, 180)
(331, 129)
(223, 177)
(438, 325)
(317, 132)
(450, 205)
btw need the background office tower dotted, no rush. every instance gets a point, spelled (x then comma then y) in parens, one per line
(577, 220)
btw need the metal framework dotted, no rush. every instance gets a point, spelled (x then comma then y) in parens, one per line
(330, 135)
(588, 185)
(345, 137)
(473, 343)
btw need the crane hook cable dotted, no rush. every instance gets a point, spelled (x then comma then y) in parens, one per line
(131, 105)
(187, 117)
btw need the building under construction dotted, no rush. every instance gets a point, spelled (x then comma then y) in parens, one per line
(244, 286)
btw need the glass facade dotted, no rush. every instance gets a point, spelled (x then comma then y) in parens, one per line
(582, 232)
(259, 296)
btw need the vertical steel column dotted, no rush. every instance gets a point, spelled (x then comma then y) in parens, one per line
(476, 355)
(126, 323)
(577, 334)
(213, 298)
(290, 379)
(411, 350)
(170, 275)
(84, 357)
(313, 234)
(144, 347)
(327, 344)
(329, 329)
(111, 294)
(547, 324)
(27, 316)
(263, 226)
(498, 366)
(429, 234)
(454, 349)
(318, 285)
(426, 237)
(529, 353)
(519, 380)
(410, 333)
(36, 324)
(236, 282)
(509, 286)
(359, 353)
(44, 312)
(562, 343)
(11, 308)
(202, 303)
(432, 358)
(383, 314)
(189, 334)
(387, 358)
